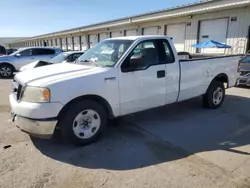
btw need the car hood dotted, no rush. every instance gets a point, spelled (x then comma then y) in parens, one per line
(5, 58)
(29, 66)
(45, 75)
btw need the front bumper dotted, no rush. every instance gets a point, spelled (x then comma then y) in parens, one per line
(38, 128)
(243, 81)
(37, 119)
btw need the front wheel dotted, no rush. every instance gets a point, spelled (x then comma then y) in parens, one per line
(83, 122)
(215, 95)
(6, 71)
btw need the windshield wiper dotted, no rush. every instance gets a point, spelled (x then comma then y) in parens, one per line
(88, 61)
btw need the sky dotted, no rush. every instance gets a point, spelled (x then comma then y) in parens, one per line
(26, 18)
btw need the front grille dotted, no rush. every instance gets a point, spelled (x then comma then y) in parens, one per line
(17, 89)
(243, 81)
(243, 73)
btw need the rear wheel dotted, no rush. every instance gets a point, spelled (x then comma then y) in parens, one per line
(6, 70)
(215, 95)
(83, 122)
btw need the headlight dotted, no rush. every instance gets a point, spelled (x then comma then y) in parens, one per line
(36, 94)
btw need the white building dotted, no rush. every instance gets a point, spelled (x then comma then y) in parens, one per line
(226, 21)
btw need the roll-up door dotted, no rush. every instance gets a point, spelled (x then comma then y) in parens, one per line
(178, 33)
(116, 34)
(70, 44)
(64, 44)
(132, 32)
(76, 43)
(93, 40)
(215, 29)
(150, 31)
(103, 36)
(84, 45)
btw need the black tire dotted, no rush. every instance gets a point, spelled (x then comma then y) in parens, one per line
(3, 71)
(208, 98)
(66, 121)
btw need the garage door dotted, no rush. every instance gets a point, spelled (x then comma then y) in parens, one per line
(132, 32)
(70, 44)
(178, 32)
(151, 31)
(58, 43)
(64, 45)
(103, 36)
(93, 40)
(84, 43)
(76, 43)
(213, 30)
(116, 34)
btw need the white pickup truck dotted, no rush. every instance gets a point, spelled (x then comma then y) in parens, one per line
(116, 77)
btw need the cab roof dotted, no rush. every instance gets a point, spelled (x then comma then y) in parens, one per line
(139, 37)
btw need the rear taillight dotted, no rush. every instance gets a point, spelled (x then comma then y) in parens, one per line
(238, 69)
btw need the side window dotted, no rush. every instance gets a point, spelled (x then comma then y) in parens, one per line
(69, 58)
(26, 52)
(144, 55)
(169, 56)
(75, 56)
(42, 51)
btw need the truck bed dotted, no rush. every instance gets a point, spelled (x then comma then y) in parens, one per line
(197, 74)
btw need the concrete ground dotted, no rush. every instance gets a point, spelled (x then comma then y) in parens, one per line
(179, 145)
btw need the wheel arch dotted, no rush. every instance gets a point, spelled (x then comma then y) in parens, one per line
(7, 63)
(222, 77)
(95, 98)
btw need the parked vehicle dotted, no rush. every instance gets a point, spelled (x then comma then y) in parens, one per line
(10, 51)
(63, 57)
(2, 51)
(12, 63)
(118, 76)
(244, 70)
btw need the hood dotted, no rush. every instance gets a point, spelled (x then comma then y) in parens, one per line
(44, 75)
(29, 66)
(5, 58)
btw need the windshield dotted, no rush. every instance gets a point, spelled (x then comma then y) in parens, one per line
(105, 54)
(59, 58)
(246, 59)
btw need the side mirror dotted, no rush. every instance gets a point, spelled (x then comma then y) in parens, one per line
(136, 61)
(18, 55)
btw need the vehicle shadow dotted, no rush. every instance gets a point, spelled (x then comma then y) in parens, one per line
(160, 135)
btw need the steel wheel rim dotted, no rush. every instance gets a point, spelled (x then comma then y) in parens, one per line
(5, 71)
(217, 96)
(86, 124)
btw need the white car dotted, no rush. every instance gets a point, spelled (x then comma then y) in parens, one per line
(23, 56)
(63, 57)
(116, 77)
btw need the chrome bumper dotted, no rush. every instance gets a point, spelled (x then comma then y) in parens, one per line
(37, 128)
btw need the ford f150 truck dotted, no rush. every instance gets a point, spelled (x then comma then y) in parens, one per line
(116, 77)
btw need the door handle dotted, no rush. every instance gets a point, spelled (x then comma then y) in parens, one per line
(110, 78)
(32, 58)
(161, 74)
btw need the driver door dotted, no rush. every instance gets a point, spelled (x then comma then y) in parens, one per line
(143, 86)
